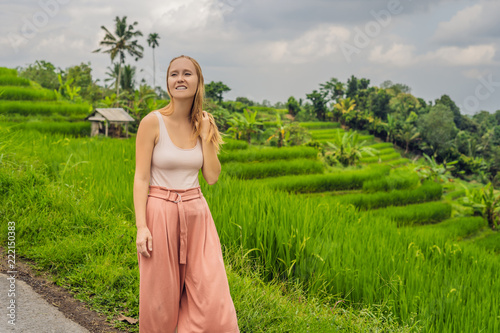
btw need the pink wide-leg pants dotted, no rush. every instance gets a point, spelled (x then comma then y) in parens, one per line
(183, 284)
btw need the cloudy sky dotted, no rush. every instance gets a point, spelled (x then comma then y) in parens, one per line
(264, 49)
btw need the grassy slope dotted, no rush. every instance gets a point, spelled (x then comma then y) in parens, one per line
(66, 229)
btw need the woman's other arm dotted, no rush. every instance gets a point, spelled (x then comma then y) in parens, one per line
(211, 165)
(143, 152)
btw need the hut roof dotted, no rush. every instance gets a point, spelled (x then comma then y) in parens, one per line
(110, 114)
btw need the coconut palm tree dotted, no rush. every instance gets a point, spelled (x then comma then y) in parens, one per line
(120, 43)
(343, 108)
(153, 43)
(407, 134)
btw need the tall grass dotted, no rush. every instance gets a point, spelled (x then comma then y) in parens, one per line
(344, 180)
(454, 228)
(10, 80)
(273, 168)
(27, 108)
(324, 138)
(15, 93)
(319, 124)
(8, 71)
(380, 157)
(231, 144)
(268, 154)
(398, 179)
(490, 242)
(81, 128)
(72, 203)
(427, 192)
(423, 213)
(397, 162)
(382, 145)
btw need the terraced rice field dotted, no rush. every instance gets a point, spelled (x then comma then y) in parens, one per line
(373, 235)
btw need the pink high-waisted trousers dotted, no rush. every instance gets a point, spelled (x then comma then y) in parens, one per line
(183, 284)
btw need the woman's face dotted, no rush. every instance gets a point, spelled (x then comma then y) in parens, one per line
(182, 79)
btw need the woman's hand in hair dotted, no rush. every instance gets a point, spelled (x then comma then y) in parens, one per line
(205, 126)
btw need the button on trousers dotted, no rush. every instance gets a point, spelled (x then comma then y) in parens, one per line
(183, 284)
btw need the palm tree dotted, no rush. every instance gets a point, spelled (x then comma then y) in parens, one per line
(127, 78)
(343, 108)
(390, 128)
(407, 134)
(153, 42)
(121, 42)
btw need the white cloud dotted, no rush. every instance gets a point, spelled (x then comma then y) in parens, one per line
(403, 55)
(461, 24)
(316, 43)
(473, 55)
(400, 55)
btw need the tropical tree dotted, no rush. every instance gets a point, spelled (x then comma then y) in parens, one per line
(153, 43)
(438, 129)
(67, 89)
(127, 79)
(42, 72)
(376, 125)
(281, 132)
(120, 43)
(485, 203)
(403, 104)
(333, 89)
(343, 108)
(434, 171)
(348, 149)
(292, 106)
(319, 103)
(408, 133)
(214, 90)
(244, 126)
(390, 128)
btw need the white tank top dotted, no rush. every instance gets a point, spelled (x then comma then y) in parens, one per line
(174, 167)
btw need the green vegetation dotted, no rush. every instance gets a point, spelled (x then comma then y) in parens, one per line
(254, 170)
(427, 192)
(346, 180)
(26, 93)
(319, 125)
(329, 239)
(27, 108)
(10, 80)
(249, 155)
(398, 179)
(424, 213)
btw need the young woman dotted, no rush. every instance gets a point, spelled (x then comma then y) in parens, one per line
(183, 282)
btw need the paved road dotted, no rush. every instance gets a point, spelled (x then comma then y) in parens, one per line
(32, 313)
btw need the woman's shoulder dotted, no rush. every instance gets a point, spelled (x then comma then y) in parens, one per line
(148, 127)
(151, 119)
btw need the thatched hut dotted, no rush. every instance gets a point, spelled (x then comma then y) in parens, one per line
(109, 120)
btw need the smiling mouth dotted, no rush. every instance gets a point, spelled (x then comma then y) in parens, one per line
(181, 88)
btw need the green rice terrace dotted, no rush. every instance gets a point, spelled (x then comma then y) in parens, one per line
(340, 232)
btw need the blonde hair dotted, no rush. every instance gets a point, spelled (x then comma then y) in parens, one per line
(196, 112)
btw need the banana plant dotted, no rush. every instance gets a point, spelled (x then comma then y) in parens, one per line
(282, 133)
(484, 202)
(348, 150)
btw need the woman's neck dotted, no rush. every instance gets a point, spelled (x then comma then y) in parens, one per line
(181, 110)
